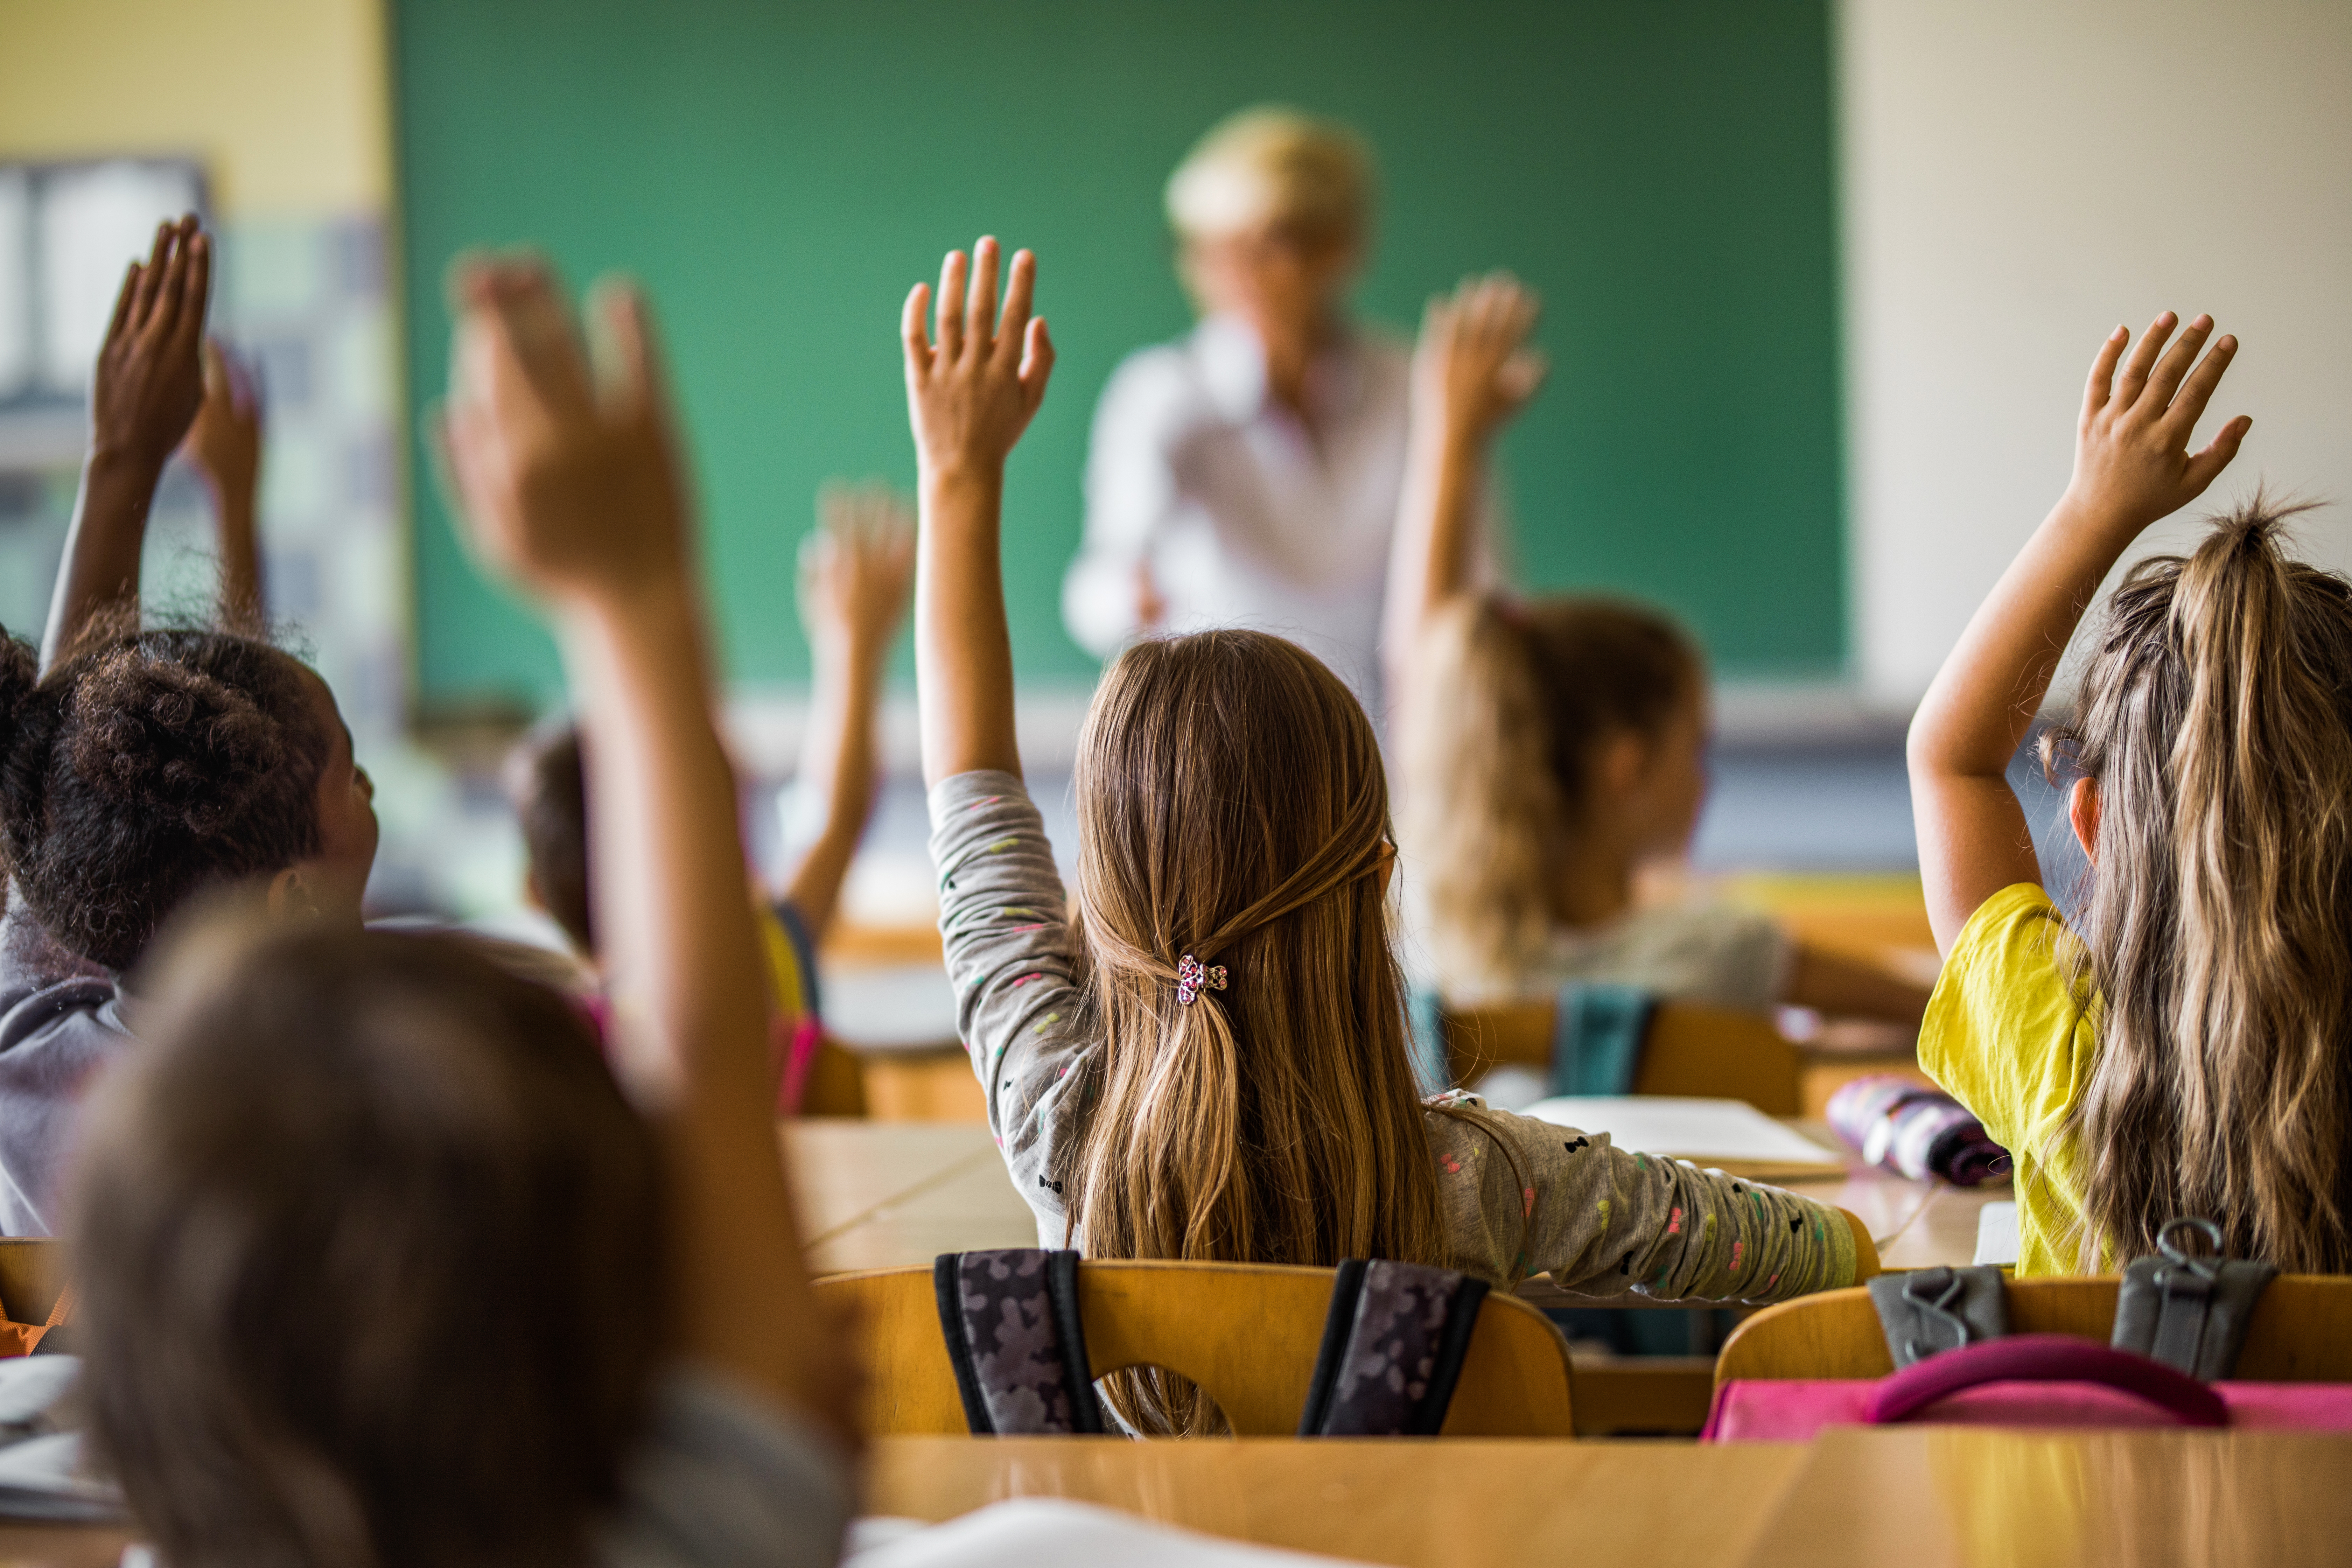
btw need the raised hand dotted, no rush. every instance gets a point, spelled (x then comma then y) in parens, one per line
(149, 378)
(1472, 367)
(143, 394)
(225, 443)
(971, 394)
(856, 569)
(566, 472)
(2132, 462)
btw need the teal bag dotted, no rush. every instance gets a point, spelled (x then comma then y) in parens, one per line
(1596, 1040)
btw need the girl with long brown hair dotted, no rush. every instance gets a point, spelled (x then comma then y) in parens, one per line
(2183, 1046)
(1209, 1060)
(1550, 748)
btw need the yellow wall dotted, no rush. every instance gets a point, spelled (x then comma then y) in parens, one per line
(284, 100)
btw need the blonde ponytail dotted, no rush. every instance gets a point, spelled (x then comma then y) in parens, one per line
(2217, 724)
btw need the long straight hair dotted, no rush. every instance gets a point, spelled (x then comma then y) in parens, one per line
(2216, 720)
(1231, 807)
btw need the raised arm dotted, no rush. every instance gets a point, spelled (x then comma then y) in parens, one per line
(969, 396)
(855, 571)
(148, 384)
(1472, 371)
(2132, 466)
(571, 489)
(225, 443)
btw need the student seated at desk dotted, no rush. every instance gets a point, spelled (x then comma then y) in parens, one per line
(1549, 748)
(377, 1262)
(1209, 1061)
(2183, 1046)
(141, 767)
(855, 572)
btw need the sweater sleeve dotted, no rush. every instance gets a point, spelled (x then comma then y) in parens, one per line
(1603, 1221)
(1006, 931)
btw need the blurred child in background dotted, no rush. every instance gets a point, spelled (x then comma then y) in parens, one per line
(377, 1262)
(1549, 748)
(855, 570)
(141, 768)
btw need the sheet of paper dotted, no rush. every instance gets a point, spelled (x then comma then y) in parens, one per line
(1707, 1131)
(1997, 1234)
(1054, 1532)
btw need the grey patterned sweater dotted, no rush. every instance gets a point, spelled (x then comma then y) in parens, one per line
(1518, 1196)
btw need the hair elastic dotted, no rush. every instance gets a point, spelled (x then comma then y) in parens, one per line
(1192, 977)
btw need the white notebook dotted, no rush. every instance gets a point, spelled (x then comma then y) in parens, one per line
(1730, 1133)
(1997, 1234)
(1054, 1532)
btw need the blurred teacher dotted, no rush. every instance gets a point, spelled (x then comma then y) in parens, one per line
(1247, 474)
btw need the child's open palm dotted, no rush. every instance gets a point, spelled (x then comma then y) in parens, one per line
(564, 471)
(857, 566)
(1473, 368)
(225, 441)
(149, 378)
(973, 393)
(2132, 462)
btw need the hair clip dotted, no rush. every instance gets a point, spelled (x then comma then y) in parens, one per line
(1192, 977)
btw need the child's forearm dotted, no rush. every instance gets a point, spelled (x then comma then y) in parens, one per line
(1436, 521)
(1853, 988)
(963, 652)
(839, 758)
(670, 898)
(1985, 697)
(104, 545)
(1973, 837)
(242, 609)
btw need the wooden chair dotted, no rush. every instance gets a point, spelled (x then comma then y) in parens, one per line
(32, 1273)
(919, 1086)
(1687, 1049)
(1247, 1333)
(835, 1084)
(2301, 1330)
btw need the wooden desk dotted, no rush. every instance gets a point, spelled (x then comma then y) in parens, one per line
(1414, 1502)
(1959, 1497)
(881, 1194)
(1935, 1497)
(885, 1195)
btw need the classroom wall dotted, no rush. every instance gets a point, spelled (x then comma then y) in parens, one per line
(284, 100)
(284, 103)
(2018, 177)
(779, 174)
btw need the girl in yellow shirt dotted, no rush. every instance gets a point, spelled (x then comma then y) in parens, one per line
(2184, 1047)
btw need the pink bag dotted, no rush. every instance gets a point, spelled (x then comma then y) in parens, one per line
(2026, 1380)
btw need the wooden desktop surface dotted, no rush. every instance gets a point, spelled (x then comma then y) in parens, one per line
(881, 1194)
(1924, 1496)
(1418, 1502)
(1958, 1497)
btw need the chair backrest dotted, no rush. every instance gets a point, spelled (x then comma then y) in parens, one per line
(2301, 1330)
(31, 1275)
(1247, 1333)
(835, 1085)
(1688, 1049)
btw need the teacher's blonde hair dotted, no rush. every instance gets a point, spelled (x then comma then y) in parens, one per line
(1272, 164)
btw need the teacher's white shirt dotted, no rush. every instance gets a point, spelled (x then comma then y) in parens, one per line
(1245, 518)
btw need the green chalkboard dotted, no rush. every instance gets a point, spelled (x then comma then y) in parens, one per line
(778, 174)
